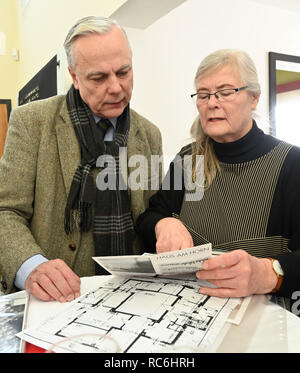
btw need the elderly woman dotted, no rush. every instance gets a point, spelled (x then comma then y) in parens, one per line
(251, 205)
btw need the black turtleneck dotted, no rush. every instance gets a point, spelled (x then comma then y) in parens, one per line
(284, 217)
(252, 146)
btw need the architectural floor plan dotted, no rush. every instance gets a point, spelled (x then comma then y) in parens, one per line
(140, 315)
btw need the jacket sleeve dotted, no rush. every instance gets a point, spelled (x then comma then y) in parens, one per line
(17, 186)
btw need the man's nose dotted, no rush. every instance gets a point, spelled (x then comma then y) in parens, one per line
(114, 85)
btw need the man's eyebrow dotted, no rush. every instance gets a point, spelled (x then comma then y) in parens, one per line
(95, 74)
(103, 74)
(124, 67)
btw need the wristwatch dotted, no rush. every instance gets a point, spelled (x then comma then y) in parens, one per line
(279, 273)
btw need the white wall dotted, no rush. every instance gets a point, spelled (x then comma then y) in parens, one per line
(167, 54)
(44, 25)
(9, 40)
(288, 116)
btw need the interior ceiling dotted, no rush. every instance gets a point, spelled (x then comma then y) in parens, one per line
(142, 13)
(292, 5)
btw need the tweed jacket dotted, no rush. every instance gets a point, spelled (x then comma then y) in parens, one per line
(40, 157)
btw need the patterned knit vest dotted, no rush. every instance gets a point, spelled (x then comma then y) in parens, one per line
(234, 211)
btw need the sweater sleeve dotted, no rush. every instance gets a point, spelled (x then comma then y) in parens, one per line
(285, 221)
(162, 204)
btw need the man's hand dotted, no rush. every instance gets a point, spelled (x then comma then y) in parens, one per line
(172, 235)
(53, 280)
(237, 274)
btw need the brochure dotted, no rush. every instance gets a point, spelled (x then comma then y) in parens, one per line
(167, 263)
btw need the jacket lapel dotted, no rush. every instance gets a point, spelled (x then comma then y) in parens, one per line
(68, 147)
(136, 146)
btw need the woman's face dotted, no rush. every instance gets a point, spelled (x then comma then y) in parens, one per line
(225, 121)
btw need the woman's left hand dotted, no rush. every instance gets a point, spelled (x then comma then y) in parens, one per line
(237, 274)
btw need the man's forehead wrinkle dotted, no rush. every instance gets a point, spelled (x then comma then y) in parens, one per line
(78, 56)
(100, 72)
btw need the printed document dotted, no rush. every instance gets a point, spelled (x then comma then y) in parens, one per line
(172, 262)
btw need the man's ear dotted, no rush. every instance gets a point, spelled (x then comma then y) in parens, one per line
(74, 78)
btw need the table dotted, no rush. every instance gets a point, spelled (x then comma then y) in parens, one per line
(266, 327)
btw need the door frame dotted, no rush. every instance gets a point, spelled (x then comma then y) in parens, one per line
(8, 106)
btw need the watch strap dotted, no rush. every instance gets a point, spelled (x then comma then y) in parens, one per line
(279, 277)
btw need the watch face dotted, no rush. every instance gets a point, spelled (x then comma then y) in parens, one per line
(277, 267)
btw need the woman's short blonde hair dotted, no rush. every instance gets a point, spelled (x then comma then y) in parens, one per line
(239, 59)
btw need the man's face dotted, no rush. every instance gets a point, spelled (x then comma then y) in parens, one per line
(102, 72)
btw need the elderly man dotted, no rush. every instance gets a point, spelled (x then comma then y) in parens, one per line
(53, 218)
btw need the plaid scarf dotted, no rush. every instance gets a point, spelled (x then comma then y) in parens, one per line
(108, 210)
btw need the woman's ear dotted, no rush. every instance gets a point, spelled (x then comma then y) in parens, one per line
(255, 100)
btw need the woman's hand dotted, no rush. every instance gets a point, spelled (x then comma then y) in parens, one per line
(172, 235)
(237, 274)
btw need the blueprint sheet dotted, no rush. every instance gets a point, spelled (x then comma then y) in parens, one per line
(157, 314)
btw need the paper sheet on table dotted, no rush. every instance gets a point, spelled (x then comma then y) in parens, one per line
(255, 332)
(142, 309)
(238, 313)
(12, 308)
(37, 310)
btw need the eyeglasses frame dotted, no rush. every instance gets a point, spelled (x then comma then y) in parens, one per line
(220, 90)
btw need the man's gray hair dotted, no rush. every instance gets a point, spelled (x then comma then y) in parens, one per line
(240, 59)
(86, 26)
